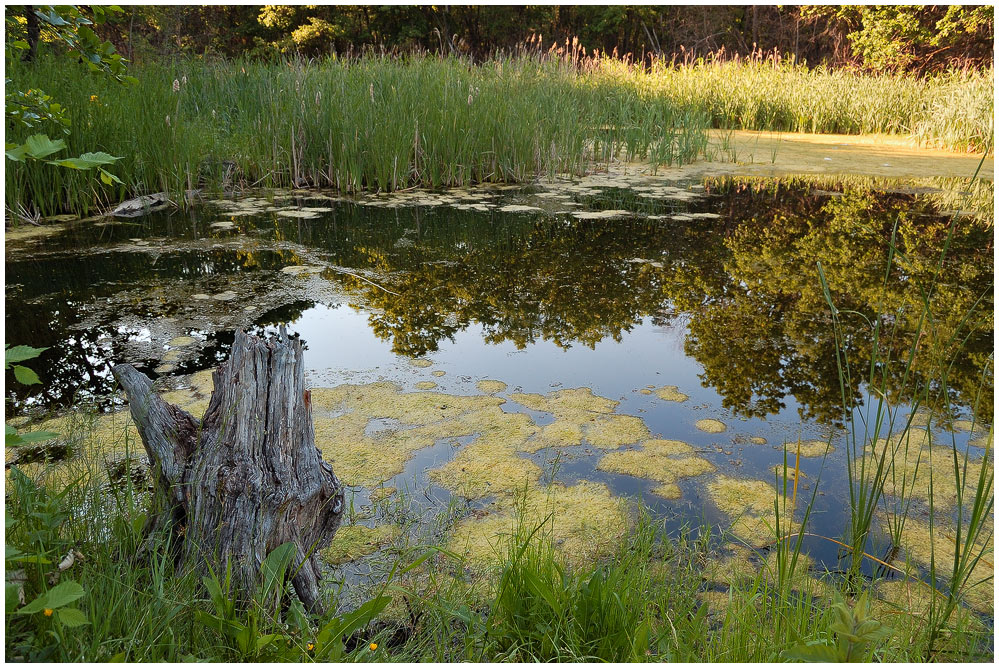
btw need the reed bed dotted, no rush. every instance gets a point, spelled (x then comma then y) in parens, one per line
(386, 123)
(376, 124)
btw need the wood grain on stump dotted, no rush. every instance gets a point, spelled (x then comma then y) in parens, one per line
(247, 477)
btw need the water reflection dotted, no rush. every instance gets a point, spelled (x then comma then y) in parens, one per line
(745, 285)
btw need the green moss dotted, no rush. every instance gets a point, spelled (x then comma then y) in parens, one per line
(711, 426)
(350, 543)
(671, 393)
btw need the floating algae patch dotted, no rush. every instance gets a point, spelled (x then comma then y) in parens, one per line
(732, 569)
(757, 440)
(181, 341)
(425, 385)
(813, 448)
(711, 425)
(913, 463)
(341, 416)
(578, 412)
(491, 386)
(585, 522)
(921, 544)
(750, 505)
(664, 461)
(790, 474)
(567, 402)
(350, 543)
(671, 393)
(421, 363)
(491, 464)
(381, 494)
(438, 373)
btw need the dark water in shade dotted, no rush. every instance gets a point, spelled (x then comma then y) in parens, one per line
(728, 306)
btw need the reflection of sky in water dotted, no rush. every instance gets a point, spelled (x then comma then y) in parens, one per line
(342, 348)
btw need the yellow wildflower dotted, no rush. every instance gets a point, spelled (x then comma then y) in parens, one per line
(93, 98)
(310, 646)
(373, 646)
(47, 612)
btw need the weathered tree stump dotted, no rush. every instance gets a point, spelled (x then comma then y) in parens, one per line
(248, 477)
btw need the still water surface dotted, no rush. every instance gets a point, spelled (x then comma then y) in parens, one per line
(711, 286)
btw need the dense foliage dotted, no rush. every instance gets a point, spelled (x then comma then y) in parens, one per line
(899, 37)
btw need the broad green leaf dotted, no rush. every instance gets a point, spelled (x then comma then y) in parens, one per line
(86, 161)
(20, 354)
(72, 617)
(264, 641)
(40, 146)
(813, 654)
(25, 375)
(36, 436)
(64, 594)
(11, 598)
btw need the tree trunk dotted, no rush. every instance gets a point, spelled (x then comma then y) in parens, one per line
(248, 477)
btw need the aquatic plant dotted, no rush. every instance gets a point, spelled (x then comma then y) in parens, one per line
(889, 473)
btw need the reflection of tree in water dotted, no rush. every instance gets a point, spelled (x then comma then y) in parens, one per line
(768, 334)
(759, 322)
(572, 282)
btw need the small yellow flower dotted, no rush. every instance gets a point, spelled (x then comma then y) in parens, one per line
(93, 98)
(310, 646)
(47, 612)
(373, 646)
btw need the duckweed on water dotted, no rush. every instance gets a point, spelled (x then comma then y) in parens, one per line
(657, 461)
(181, 341)
(585, 521)
(711, 425)
(342, 414)
(350, 543)
(671, 393)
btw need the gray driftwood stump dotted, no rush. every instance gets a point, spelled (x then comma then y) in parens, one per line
(246, 478)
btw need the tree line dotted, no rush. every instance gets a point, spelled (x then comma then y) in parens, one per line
(914, 38)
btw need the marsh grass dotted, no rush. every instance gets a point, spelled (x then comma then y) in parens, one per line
(872, 453)
(376, 124)
(381, 123)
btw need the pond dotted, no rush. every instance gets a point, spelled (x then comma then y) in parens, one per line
(624, 335)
